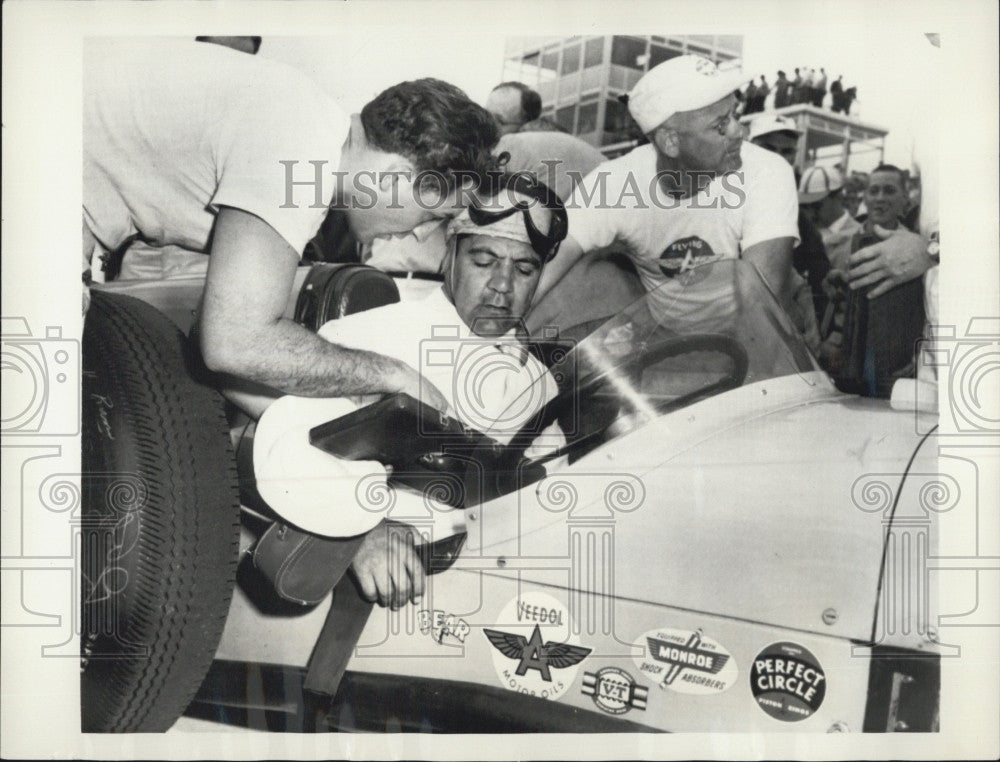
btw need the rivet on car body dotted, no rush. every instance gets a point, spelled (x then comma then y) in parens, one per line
(830, 616)
(900, 726)
(838, 727)
(932, 634)
(501, 562)
(472, 516)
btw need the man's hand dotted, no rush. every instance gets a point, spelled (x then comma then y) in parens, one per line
(900, 258)
(417, 386)
(387, 567)
(243, 333)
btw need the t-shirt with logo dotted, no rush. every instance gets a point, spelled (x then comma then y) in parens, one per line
(621, 205)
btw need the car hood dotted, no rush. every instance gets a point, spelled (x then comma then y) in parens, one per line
(769, 503)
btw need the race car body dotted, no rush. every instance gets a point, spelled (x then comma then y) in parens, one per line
(724, 543)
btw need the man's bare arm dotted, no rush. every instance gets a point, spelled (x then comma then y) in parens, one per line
(773, 258)
(243, 332)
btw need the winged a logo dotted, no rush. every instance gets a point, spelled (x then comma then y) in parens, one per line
(533, 654)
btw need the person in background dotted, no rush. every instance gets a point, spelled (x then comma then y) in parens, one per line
(819, 88)
(763, 90)
(902, 256)
(797, 84)
(821, 198)
(513, 104)
(850, 95)
(880, 332)
(837, 94)
(243, 44)
(780, 135)
(750, 98)
(912, 217)
(805, 92)
(782, 91)
(662, 203)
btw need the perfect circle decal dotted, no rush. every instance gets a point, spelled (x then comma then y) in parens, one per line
(787, 681)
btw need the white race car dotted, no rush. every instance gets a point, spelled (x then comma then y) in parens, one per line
(724, 543)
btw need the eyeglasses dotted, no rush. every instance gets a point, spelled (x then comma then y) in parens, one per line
(546, 245)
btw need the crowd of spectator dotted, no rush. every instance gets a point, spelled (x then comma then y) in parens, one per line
(807, 86)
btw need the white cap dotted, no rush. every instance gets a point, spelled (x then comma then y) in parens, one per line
(684, 83)
(768, 123)
(818, 183)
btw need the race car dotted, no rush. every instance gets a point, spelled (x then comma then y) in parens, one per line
(724, 542)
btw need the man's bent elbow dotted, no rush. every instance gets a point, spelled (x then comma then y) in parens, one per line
(223, 351)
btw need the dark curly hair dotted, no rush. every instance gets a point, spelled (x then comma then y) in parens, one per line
(437, 127)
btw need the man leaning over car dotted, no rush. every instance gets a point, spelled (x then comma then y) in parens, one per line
(496, 255)
(696, 193)
(239, 157)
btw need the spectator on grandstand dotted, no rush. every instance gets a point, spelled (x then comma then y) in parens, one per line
(819, 88)
(782, 91)
(837, 94)
(763, 90)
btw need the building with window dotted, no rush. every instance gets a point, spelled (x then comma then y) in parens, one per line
(580, 79)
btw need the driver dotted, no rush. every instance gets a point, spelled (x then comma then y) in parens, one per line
(465, 338)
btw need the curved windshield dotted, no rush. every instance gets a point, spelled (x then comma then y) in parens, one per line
(713, 328)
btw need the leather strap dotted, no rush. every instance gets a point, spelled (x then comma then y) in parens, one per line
(344, 624)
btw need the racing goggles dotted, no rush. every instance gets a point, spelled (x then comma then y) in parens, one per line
(545, 244)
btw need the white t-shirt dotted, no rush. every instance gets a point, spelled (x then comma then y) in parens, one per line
(664, 236)
(175, 129)
(494, 386)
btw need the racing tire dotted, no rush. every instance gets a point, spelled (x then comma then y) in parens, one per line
(160, 519)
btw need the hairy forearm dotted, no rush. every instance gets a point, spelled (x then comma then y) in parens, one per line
(288, 357)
